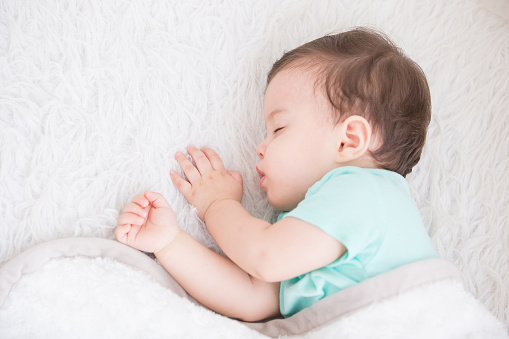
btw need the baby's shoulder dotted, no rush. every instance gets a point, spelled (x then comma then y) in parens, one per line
(353, 178)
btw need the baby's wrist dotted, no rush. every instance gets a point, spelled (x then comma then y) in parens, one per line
(167, 244)
(215, 205)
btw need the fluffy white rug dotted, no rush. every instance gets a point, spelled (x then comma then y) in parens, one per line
(80, 297)
(47, 308)
(96, 97)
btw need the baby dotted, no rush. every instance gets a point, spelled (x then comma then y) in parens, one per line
(346, 118)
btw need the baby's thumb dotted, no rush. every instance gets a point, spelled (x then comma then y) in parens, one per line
(235, 175)
(156, 199)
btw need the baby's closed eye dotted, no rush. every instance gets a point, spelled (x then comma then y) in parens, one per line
(277, 130)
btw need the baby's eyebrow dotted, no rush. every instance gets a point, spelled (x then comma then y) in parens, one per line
(274, 113)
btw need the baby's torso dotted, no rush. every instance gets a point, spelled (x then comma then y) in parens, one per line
(371, 212)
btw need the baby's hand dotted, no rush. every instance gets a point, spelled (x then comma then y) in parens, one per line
(148, 223)
(208, 182)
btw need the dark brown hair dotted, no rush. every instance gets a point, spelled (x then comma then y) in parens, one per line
(362, 72)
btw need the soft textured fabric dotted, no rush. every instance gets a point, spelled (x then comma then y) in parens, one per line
(38, 256)
(98, 288)
(370, 211)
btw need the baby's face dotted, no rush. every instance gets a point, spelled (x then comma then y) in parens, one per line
(300, 144)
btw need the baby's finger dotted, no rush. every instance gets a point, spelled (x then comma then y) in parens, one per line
(130, 218)
(190, 171)
(235, 175)
(201, 160)
(140, 200)
(182, 185)
(135, 209)
(214, 159)
(132, 235)
(157, 200)
(121, 233)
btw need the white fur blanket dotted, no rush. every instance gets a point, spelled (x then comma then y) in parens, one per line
(98, 288)
(96, 98)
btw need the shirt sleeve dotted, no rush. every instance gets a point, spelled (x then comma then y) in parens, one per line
(348, 206)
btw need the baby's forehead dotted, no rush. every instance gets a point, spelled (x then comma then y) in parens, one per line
(305, 80)
(308, 73)
(291, 91)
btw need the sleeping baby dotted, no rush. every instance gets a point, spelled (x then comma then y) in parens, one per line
(346, 118)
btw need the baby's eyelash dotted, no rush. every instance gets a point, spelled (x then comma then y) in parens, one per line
(277, 130)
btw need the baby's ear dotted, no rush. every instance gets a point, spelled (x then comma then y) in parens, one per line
(353, 139)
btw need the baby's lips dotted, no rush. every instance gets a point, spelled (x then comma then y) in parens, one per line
(260, 173)
(262, 177)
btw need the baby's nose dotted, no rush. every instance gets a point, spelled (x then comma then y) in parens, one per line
(260, 150)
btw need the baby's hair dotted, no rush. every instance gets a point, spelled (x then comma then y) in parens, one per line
(362, 72)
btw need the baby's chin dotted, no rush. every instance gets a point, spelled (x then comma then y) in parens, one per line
(282, 205)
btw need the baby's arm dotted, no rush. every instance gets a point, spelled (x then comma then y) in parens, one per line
(217, 282)
(277, 252)
(149, 224)
(284, 250)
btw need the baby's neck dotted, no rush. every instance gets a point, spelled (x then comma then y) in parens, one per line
(364, 162)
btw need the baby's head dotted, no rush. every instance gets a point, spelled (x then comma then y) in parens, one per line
(362, 73)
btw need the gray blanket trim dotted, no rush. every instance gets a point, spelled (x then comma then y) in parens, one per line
(34, 258)
(321, 314)
(352, 299)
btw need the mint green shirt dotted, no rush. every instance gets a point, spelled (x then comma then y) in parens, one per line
(371, 212)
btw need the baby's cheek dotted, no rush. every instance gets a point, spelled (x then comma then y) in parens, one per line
(273, 201)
